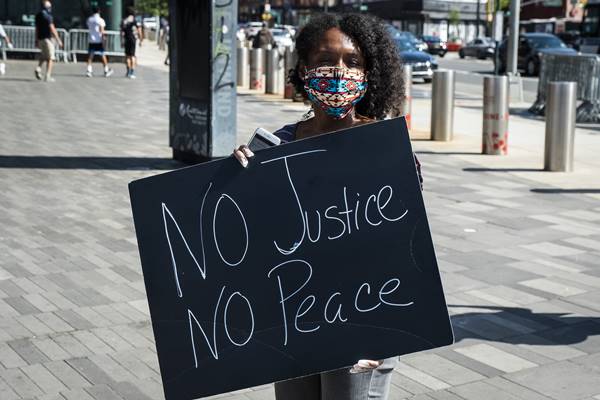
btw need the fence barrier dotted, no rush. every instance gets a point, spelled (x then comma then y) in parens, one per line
(24, 41)
(583, 69)
(79, 41)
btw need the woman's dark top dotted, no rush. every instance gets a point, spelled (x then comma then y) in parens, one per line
(288, 134)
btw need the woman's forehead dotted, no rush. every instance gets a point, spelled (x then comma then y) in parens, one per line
(334, 40)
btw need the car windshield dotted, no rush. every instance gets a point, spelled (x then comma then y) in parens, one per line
(279, 32)
(405, 45)
(545, 42)
(431, 38)
(407, 36)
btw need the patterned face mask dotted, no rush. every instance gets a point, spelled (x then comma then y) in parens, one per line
(335, 89)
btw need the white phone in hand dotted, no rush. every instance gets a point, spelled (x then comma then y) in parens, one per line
(262, 139)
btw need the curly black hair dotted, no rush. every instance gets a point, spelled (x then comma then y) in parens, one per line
(385, 92)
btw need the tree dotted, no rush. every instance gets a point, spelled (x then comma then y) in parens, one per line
(454, 17)
(152, 7)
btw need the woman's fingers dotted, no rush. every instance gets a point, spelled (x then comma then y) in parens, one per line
(241, 157)
(364, 366)
(242, 154)
(247, 152)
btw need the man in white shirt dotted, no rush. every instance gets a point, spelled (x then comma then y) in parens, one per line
(4, 36)
(96, 25)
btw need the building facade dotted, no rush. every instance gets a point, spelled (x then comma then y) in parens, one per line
(552, 16)
(443, 18)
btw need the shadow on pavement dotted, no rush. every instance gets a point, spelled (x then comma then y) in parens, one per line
(546, 329)
(476, 169)
(565, 191)
(108, 163)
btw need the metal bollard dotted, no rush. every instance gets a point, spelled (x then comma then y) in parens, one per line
(243, 67)
(561, 108)
(442, 105)
(407, 104)
(257, 72)
(274, 80)
(289, 62)
(495, 115)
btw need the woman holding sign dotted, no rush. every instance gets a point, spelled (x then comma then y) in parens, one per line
(348, 67)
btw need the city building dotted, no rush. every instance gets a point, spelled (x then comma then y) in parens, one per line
(443, 18)
(552, 16)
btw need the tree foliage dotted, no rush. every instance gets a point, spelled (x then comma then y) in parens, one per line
(454, 17)
(152, 7)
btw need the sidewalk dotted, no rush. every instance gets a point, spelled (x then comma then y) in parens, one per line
(518, 248)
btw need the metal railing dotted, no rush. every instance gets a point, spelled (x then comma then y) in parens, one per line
(583, 69)
(23, 40)
(79, 41)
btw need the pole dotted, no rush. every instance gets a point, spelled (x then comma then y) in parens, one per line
(116, 15)
(477, 19)
(513, 37)
(326, 6)
(561, 110)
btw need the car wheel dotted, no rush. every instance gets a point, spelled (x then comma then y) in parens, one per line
(427, 80)
(461, 54)
(481, 56)
(442, 54)
(531, 68)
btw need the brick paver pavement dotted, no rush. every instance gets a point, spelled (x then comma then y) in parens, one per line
(520, 267)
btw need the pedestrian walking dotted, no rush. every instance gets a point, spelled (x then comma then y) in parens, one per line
(96, 26)
(4, 37)
(131, 32)
(45, 31)
(264, 38)
(349, 69)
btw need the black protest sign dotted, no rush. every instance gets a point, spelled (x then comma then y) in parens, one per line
(317, 255)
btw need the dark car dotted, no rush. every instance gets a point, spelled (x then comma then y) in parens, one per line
(435, 45)
(481, 48)
(531, 47)
(423, 64)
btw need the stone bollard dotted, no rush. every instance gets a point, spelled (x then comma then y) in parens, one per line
(289, 62)
(442, 105)
(407, 104)
(243, 67)
(495, 115)
(274, 72)
(257, 72)
(561, 109)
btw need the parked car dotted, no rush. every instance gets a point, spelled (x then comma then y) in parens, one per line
(291, 29)
(252, 29)
(531, 47)
(435, 45)
(423, 64)
(282, 37)
(481, 48)
(150, 23)
(454, 44)
(570, 38)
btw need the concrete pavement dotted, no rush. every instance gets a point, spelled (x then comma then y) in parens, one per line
(518, 248)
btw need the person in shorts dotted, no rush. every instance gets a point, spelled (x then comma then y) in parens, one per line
(45, 31)
(96, 25)
(130, 32)
(4, 37)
